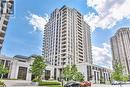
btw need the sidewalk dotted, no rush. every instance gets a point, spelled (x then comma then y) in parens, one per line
(19, 83)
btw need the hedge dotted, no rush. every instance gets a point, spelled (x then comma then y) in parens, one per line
(43, 83)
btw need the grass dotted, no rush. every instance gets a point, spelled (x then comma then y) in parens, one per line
(8, 79)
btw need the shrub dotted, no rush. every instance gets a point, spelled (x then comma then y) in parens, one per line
(1, 83)
(43, 83)
(13, 79)
(35, 80)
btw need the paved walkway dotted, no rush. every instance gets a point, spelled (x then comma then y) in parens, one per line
(102, 85)
(19, 83)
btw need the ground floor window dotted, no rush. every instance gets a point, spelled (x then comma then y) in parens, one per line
(47, 74)
(22, 73)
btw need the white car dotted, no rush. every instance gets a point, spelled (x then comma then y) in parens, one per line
(116, 82)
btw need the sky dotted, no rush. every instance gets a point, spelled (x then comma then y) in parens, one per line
(24, 35)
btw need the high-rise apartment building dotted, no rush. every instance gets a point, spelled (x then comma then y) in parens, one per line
(67, 38)
(5, 8)
(120, 44)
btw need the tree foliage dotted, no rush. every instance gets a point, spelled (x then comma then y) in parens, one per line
(67, 72)
(125, 78)
(38, 67)
(118, 73)
(78, 76)
(129, 77)
(71, 73)
(3, 70)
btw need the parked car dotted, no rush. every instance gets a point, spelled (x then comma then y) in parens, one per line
(78, 84)
(72, 84)
(116, 83)
(85, 84)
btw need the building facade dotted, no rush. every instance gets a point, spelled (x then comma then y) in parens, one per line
(120, 44)
(94, 73)
(4, 18)
(67, 38)
(19, 67)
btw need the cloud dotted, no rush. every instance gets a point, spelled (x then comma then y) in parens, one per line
(107, 13)
(102, 55)
(38, 22)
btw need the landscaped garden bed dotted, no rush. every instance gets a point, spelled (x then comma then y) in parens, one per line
(50, 83)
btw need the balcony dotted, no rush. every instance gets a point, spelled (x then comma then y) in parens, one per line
(64, 42)
(63, 28)
(64, 15)
(79, 43)
(63, 35)
(64, 31)
(80, 46)
(63, 50)
(79, 30)
(3, 28)
(64, 38)
(79, 33)
(80, 39)
(63, 54)
(1, 41)
(80, 49)
(63, 25)
(80, 59)
(0, 46)
(2, 34)
(64, 21)
(64, 9)
(5, 22)
(80, 52)
(64, 46)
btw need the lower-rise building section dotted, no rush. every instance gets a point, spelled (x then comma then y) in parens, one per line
(92, 73)
(19, 67)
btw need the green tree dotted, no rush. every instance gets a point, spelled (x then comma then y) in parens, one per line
(129, 77)
(125, 78)
(67, 73)
(71, 73)
(117, 74)
(3, 70)
(78, 76)
(73, 70)
(38, 67)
